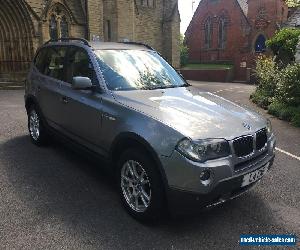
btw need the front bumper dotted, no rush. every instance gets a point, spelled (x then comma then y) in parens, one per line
(181, 201)
(185, 187)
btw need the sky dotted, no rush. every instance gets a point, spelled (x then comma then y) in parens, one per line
(186, 12)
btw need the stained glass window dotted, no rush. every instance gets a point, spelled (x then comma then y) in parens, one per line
(53, 28)
(208, 33)
(222, 34)
(64, 29)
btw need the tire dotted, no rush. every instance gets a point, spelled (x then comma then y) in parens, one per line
(148, 192)
(37, 131)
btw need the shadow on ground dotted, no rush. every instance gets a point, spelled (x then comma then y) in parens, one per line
(60, 188)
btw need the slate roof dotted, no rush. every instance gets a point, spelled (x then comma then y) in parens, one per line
(244, 6)
(294, 19)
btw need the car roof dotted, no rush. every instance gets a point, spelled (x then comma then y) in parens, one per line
(117, 46)
(101, 45)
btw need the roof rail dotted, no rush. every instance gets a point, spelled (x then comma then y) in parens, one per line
(69, 39)
(138, 43)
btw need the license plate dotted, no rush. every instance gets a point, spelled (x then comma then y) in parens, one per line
(255, 176)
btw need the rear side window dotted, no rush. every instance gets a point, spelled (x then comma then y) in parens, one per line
(54, 62)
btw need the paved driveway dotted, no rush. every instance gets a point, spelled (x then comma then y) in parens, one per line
(54, 198)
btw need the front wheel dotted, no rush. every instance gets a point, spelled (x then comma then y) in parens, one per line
(140, 186)
(36, 128)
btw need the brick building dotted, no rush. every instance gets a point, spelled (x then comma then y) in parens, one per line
(234, 31)
(26, 24)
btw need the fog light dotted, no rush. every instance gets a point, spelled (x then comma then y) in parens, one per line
(205, 177)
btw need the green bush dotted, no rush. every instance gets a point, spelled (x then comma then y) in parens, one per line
(284, 44)
(283, 111)
(296, 119)
(184, 52)
(278, 90)
(288, 85)
(267, 74)
(260, 98)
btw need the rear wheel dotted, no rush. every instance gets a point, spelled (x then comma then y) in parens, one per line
(140, 186)
(36, 128)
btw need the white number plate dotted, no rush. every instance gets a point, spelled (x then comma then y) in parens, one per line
(255, 176)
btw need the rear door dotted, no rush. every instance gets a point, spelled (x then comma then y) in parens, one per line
(51, 68)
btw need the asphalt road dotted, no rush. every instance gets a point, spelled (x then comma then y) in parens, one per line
(53, 198)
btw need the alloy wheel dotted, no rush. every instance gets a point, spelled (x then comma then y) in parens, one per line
(34, 125)
(135, 186)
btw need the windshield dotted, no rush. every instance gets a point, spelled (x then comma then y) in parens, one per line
(136, 69)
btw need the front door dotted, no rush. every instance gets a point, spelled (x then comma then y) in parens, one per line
(82, 108)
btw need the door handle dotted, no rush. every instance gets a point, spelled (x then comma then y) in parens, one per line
(65, 99)
(108, 116)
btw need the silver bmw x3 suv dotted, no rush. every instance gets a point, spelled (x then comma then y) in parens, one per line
(169, 144)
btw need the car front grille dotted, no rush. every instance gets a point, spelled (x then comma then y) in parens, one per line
(243, 146)
(261, 139)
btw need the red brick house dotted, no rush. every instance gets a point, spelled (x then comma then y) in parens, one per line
(233, 31)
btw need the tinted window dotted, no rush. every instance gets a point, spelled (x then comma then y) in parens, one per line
(40, 60)
(79, 65)
(136, 69)
(54, 62)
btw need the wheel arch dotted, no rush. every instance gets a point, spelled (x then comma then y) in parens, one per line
(132, 140)
(29, 101)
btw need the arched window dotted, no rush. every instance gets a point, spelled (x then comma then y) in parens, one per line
(208, 33)
(53, 28)
(260, 44)
(64, 29)
(58, 22)
(222, 34)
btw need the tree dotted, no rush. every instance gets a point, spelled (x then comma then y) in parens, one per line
(293, 3)
(283, 44)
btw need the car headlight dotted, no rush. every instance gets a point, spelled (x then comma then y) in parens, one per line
(269, 127)
(204, 150)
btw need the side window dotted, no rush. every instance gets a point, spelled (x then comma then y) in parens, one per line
(40, 60)
(54, 63)
(79, 65)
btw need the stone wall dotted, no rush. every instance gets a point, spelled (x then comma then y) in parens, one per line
(95, 19)
(106, 20)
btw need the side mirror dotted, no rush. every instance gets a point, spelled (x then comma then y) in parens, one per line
(80, 82)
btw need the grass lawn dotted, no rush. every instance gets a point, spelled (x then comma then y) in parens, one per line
(207, 66)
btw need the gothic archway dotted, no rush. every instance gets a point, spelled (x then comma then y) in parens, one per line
(16, 35)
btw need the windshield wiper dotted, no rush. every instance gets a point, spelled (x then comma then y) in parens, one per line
(172, 86)
(165, 87)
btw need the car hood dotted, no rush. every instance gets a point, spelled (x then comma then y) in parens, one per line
(195, 114)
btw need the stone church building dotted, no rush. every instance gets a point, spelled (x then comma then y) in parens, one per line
(27, 24)
(234, 31)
